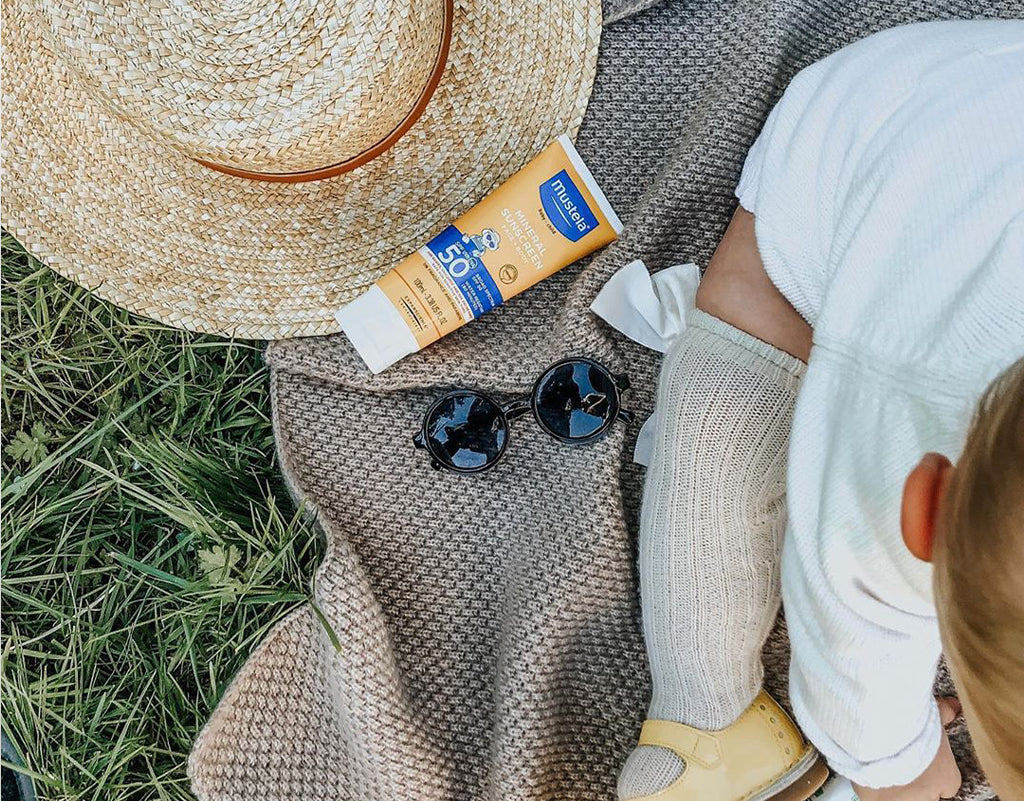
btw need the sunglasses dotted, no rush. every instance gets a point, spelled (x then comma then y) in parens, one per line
(575, 401)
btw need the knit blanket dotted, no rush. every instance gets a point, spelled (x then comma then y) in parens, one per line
(479, 637)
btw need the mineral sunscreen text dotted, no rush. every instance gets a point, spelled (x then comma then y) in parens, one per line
(546, 216)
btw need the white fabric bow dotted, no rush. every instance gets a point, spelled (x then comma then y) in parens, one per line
(651, 310)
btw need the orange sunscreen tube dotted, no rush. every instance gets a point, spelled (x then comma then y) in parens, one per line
(546, 216)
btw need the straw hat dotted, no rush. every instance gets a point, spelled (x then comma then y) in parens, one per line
(247, 168)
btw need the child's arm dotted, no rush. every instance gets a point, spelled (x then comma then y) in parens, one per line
(941, 779)
(862, 671)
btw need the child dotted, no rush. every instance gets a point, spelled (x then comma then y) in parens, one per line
(882, 220)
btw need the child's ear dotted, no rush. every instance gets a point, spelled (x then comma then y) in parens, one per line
(923, 492)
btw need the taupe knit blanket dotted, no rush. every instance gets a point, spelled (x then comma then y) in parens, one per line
(488, 626)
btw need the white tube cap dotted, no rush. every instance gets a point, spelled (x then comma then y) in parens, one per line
(376, 330)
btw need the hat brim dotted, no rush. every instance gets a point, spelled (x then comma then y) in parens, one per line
(150, 230)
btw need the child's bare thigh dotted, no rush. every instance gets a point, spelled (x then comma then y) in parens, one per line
(736, 288)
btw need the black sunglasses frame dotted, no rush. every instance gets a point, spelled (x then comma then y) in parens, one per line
(519, 407)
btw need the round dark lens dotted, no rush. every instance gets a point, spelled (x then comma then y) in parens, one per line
(576, 400)
(466, 431)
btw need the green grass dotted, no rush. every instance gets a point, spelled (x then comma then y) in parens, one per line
(147, 541)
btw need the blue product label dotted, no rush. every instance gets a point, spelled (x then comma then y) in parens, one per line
(566, 208)
(459, 255)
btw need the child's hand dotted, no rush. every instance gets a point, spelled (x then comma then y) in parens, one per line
(941, 779)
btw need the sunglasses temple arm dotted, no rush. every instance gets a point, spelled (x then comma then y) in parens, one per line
(516, 408)
(626, 416)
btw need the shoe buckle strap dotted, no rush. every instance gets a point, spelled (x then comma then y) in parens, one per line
(689, 743)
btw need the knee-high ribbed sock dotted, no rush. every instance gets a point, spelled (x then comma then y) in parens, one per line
(711, 531)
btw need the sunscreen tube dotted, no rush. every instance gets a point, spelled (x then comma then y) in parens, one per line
(546, 216)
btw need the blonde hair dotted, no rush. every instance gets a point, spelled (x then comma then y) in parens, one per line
(979, 580)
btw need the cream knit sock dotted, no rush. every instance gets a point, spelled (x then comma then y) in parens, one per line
(711, 531)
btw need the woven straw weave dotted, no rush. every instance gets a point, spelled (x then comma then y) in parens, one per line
(489, 627)
(260, 90)
(117, 206)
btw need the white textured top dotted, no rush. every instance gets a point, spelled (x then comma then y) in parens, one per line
(888, 189)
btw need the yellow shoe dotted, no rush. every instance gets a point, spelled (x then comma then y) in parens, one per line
(760, 757)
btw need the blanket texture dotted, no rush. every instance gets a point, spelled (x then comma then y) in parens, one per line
(488, 626)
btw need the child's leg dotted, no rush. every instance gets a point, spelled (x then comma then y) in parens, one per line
(714, 502)
(736, 288)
